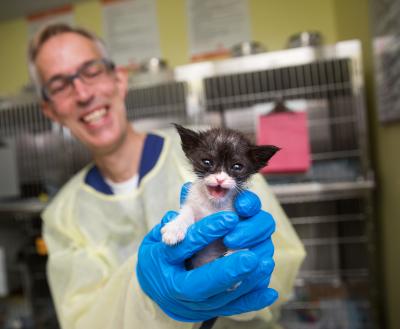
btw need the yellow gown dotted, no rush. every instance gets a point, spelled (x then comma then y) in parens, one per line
(92, 239)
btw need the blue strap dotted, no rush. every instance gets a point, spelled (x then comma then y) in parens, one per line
(151, 152)
(95, 179)
(152, 148)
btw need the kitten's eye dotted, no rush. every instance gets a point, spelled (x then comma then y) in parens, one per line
(207, 163)
(237, 167)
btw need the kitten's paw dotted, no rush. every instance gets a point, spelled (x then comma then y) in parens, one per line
(173, 232)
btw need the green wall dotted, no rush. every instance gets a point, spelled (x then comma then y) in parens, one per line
(389, 217)
(272, 21)
(88, 15)
(13, 70)
(386, 156)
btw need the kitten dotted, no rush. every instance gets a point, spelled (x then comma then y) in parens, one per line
(223, 160)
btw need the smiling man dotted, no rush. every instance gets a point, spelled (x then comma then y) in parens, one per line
(84, 92)
(107, 266)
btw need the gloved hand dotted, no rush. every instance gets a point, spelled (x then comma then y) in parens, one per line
(205, 292)
(253, 232)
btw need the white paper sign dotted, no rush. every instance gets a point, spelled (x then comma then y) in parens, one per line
(387, 75)
(131, 30)
(57, 15)
(216, 25)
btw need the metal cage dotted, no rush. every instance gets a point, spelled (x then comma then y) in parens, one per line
(330, 206)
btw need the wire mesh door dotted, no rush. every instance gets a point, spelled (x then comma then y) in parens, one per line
(333, 122)
(47, 154)
(330, 204)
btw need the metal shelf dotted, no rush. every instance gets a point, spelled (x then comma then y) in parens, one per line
(342, 218)
(301, 192)
(24, 206)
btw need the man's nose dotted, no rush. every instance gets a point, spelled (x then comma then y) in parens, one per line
(83, 91)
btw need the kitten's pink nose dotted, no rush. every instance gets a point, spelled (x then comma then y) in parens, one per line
(220, 180)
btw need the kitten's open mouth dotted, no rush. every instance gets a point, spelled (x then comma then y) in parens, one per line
(217, 191)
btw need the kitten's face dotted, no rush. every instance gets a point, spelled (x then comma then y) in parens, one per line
(224, 159)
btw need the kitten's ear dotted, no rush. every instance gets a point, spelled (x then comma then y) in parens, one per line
(261, 155)
(189, 138)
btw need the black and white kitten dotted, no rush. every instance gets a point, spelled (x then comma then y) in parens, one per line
(223, 160)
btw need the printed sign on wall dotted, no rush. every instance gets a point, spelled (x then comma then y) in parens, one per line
(131, 30)
(216, 25)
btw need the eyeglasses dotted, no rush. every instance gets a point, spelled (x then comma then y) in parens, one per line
(89, 73)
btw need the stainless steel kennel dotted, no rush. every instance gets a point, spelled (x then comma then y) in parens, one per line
(330, 206)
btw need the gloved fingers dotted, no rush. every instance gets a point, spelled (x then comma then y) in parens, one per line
(253, 301)
(257, 279)
(247, 204)
(264, 250)
(189, 314)
(155, 234)
(184, 192)
(201, 234)
(268, 266)
(263, 283)
(215, 277)
(251, 231)
(169, 215)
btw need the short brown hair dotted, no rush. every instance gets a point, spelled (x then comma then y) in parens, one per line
(47, 33)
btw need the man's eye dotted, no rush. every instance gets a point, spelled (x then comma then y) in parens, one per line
(93, 70)
(237, 167)
(207, 163)
(57, 85)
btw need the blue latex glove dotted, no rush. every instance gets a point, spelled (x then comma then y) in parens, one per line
(205, 292)
(253, 232)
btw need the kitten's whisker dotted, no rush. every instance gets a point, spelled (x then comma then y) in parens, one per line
(239, 189)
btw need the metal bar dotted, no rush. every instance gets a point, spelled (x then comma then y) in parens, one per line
(340, 218)
(324, 275)
(334, 241)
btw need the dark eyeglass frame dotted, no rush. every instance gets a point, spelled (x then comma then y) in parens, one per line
(109, 65)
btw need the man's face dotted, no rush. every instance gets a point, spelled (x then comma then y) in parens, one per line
(95, 113)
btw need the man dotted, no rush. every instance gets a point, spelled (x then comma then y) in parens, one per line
(96, 223)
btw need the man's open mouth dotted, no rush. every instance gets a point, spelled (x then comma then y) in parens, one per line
(95, 116)
(217, 191)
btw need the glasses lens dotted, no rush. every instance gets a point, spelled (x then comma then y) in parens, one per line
(57, 86)
(89, 73)
(93, 71)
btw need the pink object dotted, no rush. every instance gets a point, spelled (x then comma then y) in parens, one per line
(289, 131)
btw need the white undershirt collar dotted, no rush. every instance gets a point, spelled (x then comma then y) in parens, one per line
(123, 187)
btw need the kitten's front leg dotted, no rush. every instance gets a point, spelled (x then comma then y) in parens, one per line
(175, 231)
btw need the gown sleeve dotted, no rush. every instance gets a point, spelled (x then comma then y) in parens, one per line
(89, 288)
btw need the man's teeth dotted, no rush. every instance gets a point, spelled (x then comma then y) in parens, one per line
(94, 116)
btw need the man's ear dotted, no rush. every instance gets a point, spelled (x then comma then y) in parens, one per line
(189, 138)
(49, 112)
(261, 155)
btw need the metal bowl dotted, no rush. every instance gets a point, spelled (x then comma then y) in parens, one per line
(247, 48)
(305, 39)
(153, 65)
